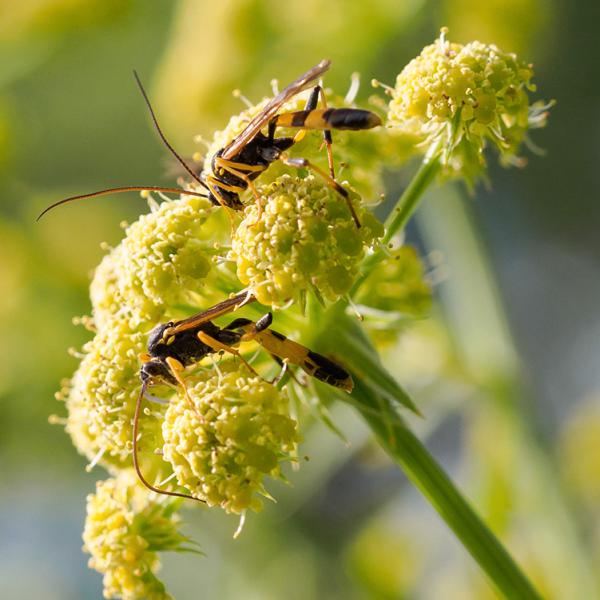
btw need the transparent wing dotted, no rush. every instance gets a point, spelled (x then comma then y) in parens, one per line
(273, 106)
(213, 312)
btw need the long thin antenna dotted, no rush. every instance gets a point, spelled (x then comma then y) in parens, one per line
(162, 135)
(136, 464)
(116, 190)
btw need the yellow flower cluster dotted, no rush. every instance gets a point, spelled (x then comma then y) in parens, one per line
(238, 432)
(123, 532)
(466, 96)
(102, 393)
(302, 239)
(165, 259)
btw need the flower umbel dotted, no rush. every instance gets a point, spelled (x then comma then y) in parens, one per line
(165, 259)
(239, 432)
(124, 530)
(303, 239)
(466, 96)
(101, 396)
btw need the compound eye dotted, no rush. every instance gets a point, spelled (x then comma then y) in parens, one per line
(270, 154)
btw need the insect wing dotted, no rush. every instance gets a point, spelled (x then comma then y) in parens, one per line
(270, 110)
(213, 312)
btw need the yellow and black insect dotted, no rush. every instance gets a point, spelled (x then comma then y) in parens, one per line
(250, 153)
(235, 167)
(173, 346)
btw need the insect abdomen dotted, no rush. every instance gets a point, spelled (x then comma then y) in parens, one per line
(350, 118)
(330, 118)
(320, 367)
(314, 364)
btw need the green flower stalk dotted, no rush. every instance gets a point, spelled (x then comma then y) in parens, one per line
(124, 531)
(301, 240)
(238, 432)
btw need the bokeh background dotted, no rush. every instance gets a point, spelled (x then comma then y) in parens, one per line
(506, 369)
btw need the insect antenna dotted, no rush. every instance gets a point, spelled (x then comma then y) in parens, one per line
(117, 190)
(136, 464)
(162, 135)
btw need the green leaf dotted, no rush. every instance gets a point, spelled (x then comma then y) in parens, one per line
(427, 475)
(364, 362)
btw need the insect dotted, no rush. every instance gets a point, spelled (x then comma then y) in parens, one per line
(173, 346)
(235, 167)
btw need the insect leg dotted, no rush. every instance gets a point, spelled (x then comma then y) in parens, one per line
(313, 364)
(285, 368)
(304, 163)
(176, 369)
(311, 104)
(327, 139)
(213, 185)
(291, 352)
(237, 169)
(252, 330)
(218, 346)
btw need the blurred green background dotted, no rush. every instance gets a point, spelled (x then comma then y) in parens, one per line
(506, 370)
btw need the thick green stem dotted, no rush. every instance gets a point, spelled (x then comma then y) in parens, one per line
(405, 207)
(406, 449)
(424, 472)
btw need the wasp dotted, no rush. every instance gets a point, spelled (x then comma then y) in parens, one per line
(235, 167)
(173, 346)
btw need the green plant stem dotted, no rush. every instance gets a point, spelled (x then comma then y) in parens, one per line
(402, 211)
(424, 472)
(408, 201)
(406, 449)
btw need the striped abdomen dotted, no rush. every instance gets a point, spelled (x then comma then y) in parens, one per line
(329, 118)
(314, 364)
